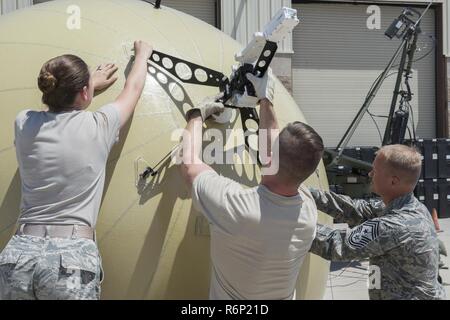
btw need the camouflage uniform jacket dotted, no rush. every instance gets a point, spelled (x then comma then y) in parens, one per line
(399, 240)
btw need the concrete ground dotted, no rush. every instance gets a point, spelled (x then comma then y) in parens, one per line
(348, 280)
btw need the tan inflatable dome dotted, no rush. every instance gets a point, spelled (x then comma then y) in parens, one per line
(153, 243)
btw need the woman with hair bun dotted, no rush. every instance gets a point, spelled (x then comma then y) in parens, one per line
(62, 154)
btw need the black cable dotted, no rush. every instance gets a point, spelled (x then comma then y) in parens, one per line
(372, 116)
(407, 103)
(409, 106)
(376, 80)
(396, 72)
(412, 120)
(409, 132)
(376, 115)
(370, 90)
(412, 114)
(376, 125)
(433, 46)
(425, 55)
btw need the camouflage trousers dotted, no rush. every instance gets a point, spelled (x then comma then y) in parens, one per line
(35, 268)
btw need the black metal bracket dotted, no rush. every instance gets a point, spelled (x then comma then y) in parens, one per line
(188, 72)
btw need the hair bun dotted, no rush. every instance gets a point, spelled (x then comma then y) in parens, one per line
(47, 82)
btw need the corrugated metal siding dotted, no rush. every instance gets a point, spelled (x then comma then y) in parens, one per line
(336, 61)
(11, 5)
(242, 18)
(445, 22)
(202, 9)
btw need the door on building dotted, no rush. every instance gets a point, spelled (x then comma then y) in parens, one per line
(338, 57)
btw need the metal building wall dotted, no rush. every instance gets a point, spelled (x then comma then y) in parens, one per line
(202, 9)
(336, 60)
(445, 22)
(242, 18)
(11, 5)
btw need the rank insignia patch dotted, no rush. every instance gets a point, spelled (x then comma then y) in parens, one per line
(364, 234)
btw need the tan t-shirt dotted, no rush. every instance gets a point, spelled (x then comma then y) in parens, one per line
(258, 239)
(62, 159)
